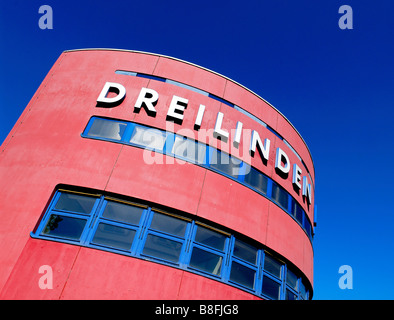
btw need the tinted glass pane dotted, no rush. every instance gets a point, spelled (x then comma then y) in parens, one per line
(162, 248)
(113, 236)
(107, 129)
(242, 275)
(270, 288)
(75, 203)
(290, 295)
(257, 180)
(308, 227)
(123, 212)
(168, 224)
(206, 261)
(64, 227)
(280, 196)
(302, 290)
(291, 279)
(148, 137)
(225, 163)
(272, 266)
(210, 238)
(191, 150)
(245, 251)
(297, 212)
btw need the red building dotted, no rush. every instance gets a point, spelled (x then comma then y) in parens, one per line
(133, 175)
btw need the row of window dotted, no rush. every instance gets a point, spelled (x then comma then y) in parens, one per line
(139, 230)
(195, 152)
(212, 96)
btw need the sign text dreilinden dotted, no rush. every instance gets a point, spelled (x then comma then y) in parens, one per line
(148, 99)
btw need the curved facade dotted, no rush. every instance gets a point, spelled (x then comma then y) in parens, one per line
(132, 175)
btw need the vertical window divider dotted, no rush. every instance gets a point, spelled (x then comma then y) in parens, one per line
(128, 132)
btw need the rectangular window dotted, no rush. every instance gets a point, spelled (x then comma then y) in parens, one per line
(75, 203)
(225, 163)
(245, 251)
(108, 129)
(291, 279)
(242, 275)
(66, 227)
(290, 295)
(257, 180)
(210, 238)
(206, 261)
(189, 150)
(122, 212)
(297, 211)
(162, 248)
(270, 288)
(168, 224)
(280, 196)
(114, 236)
(148, 137)
(272, 266)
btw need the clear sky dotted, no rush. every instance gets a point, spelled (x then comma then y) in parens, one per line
(335, 86)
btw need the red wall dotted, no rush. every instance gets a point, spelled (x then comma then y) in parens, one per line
(45, 148)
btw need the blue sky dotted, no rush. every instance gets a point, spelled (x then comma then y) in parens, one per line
(335, 86)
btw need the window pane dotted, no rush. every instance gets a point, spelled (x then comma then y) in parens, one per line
(75, 203)
(148, 137)
(245, 251)
(280, 196)
(297, 211)
(123, 212)
(162, 248)
(206, 261)
(189, 149)
(64, 227)
(210, 238)
(272, 266)
(291, 279)
(168, 224)
(257, 180)
(270, 288)
(290, 295)
(225, 163)
(242, 275)
(107, 129)
(113, 236)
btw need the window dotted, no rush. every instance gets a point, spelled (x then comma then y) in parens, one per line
(225, 163)
(280, 196)
(189, 150)
(297, 211)
(108, 129)
(148, 137)
(138, 230)
(257, 180)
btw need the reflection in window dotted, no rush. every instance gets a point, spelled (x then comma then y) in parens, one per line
(291, 279)
(189, 149)
(168, 224)
(114, 236)
(272, 266)
(162, 248)
(75, 203)
(64, 227)
(148, 137)
(122, 212)
(270, 288)
(210, 238)
(225, 163)
(280, 196)
(257, 180)
(242, 275)
(245, 251)
(108, 129)
(206, 261)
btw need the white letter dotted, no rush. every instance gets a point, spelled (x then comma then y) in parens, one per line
(176, 109)
(48, 17)
(281, 156)
(348, 17)
(237, 137)
(346, 281)
(306, 190)
(218, 132)
(264, 149)
(200, 114)
(103, 101)
(46, 281)
(147, 98)
(297, 176)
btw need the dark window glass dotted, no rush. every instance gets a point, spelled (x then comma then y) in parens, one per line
(107, 129)
(291, 279)
(308, 227)
(280, 196)
(168, 224)
(257, 180)
(64, 227)
(148, 137)
(75, 203)
(272, 266)
(270, 288)
(123, 212)
(210, 238)
(224, 163)
(242, 275)
(114, 236)
(297, 211)
(162, 248)
(302, 290)
(189, 149)
(290, 295)
(245, 251)
(206, 261)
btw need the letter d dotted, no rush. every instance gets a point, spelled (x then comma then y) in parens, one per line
(105, 102)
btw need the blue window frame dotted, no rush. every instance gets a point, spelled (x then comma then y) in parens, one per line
(138, 230)
(200, 154)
